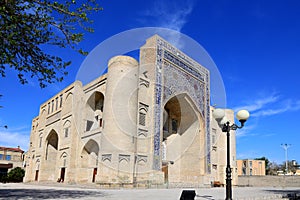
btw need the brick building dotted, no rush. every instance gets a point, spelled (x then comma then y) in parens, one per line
(10, 158)
(146, 121)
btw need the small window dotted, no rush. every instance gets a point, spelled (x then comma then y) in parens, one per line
(49, 108)
(67, 132)
(244, 171)
(66, 129)
(142, 119)
(40, 143)
(1, 156)
(89, 125)
(56, 103)
(8, 157)
(213, 138)
(61, 100)
(244, 163)
(174, 125)
(52, 106)
(100, 122)
(143, 109)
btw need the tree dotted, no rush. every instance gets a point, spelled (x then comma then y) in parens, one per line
(291, 167)
(26, 26)
(16, 174)
(273, 168)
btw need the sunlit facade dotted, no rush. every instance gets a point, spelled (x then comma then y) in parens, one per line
(143, 123)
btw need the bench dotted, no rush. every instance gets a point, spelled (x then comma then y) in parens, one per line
(217, 184)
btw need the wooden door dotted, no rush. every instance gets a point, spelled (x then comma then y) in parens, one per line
(62, 174)
(165, 171)
(94, 174)
(36, 175)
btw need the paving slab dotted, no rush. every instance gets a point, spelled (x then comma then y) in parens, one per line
(91, 192)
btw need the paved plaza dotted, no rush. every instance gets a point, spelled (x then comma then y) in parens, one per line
(64, 191)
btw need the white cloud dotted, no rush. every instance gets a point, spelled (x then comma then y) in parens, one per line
(259, 103)
(245, 130)
(172, 15)
(13, 137)
(270, 105)
(280, 107)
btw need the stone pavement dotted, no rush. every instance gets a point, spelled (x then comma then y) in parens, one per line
(87, 192)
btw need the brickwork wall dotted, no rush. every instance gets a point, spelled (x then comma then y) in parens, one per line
(269, 181)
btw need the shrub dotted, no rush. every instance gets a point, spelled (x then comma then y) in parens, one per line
(16, 175)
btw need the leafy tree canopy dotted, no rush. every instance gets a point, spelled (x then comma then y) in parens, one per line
(27, 25)
(16, 175)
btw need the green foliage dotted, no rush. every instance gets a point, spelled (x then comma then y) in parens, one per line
(291, 168)
(16, 175)
(26, 26)
(272, 168)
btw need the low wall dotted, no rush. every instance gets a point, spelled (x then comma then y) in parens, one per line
(269, 181)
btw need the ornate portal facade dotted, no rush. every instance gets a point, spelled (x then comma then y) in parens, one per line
(143, 122)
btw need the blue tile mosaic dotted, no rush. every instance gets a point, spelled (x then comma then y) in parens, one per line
(175, 74)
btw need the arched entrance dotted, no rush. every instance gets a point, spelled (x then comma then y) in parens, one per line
(89, 161)
(51, 155)
(182, 140)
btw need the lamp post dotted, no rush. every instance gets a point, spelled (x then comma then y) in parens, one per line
(219, 115)
(285, 147)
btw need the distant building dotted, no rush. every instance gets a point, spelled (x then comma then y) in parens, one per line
(143, 122)
(10, 158)
(251, 167)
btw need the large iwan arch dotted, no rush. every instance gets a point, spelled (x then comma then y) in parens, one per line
(183, 139)
(52, 141)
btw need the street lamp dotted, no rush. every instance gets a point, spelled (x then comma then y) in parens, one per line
(219, 115)
(285, 147)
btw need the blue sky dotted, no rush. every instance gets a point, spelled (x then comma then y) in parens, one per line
(255, 44)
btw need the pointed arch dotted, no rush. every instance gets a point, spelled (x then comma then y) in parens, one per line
(94, 110)
(183, 133)
(69, 96)
(63, 155)
(66, 128)
(179, 113)
(63, 159)
(91, 146)
(89, 154)
(51, 145)
(37, 164)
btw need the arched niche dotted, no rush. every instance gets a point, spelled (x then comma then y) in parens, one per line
(183, 138)
(179, 114)
(94, 110)
(51, 145)
(89, 154)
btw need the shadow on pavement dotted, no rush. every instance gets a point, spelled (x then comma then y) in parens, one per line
(205, 197)
(289, 194)
(46, 194)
